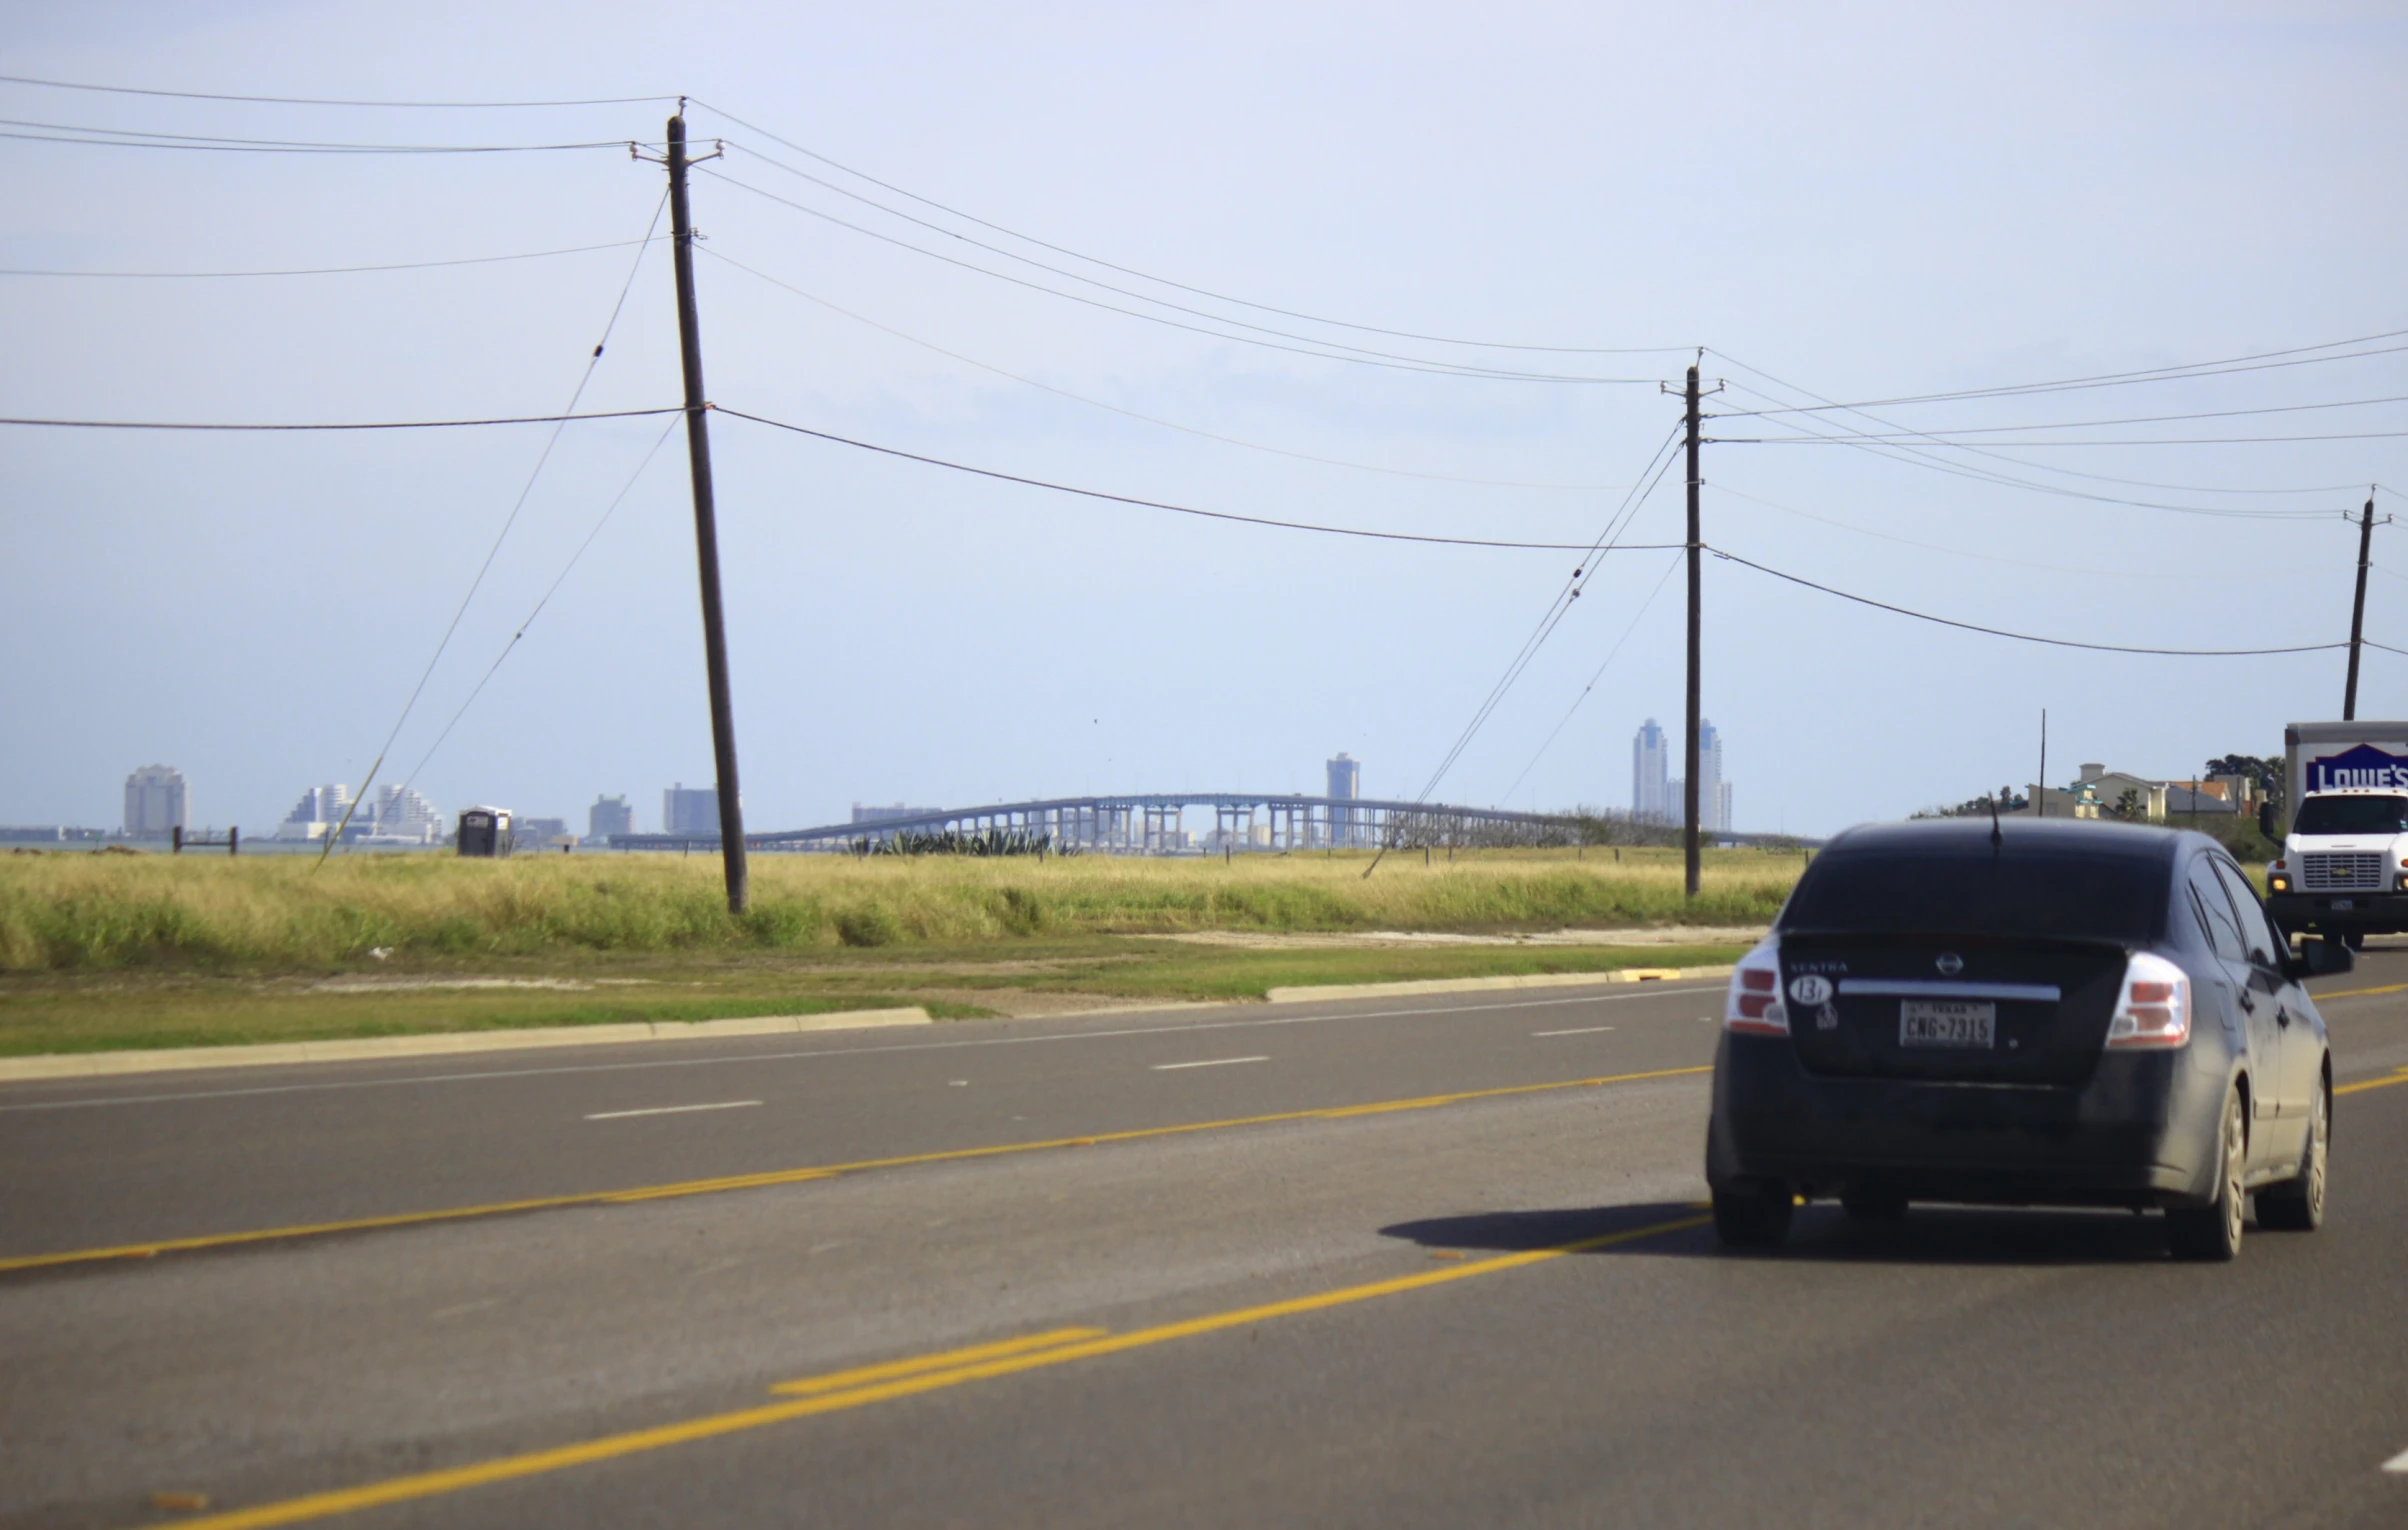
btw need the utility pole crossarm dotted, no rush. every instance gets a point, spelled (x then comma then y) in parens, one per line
(706, 527)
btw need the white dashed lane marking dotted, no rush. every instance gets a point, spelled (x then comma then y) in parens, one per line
(669, 1110)
(1213, 1062)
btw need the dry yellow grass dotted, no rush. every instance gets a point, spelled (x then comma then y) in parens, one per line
(66, 912)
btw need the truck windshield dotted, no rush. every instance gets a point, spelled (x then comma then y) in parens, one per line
(2352, 815)
(2096, 897)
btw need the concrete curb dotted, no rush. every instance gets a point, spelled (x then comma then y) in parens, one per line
(178, 1059)
(1485, 984)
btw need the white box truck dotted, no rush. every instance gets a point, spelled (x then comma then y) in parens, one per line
(2344, 866)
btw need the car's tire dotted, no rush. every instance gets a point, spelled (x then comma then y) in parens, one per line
(1872, 1205)
(2212, 1233)
(2297, 1204)
(1753, 1214)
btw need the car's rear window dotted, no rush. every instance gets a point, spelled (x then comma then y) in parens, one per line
(2119, 898)
(2352, 815)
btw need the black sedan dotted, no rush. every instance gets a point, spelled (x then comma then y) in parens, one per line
(2027, 1013)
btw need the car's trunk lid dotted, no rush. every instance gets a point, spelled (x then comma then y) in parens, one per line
(1955, 1008)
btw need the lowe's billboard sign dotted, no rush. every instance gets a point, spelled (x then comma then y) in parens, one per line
(2362, 767)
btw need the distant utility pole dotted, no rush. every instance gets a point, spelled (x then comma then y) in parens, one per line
(706, 524)
(2357, 610)
(1689, 782)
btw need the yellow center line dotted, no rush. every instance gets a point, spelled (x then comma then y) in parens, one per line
(2362, 993)
(795, 1176)
(875, 1384)
(865, 1375)
(2399, 1077)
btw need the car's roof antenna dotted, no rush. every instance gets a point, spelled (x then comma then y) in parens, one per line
(1996, 838)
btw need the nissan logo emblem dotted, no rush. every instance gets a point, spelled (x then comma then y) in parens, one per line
(1950, 964)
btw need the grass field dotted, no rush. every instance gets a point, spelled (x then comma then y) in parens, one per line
(107, 951)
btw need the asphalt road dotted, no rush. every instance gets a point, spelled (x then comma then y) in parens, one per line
(1436, 1261)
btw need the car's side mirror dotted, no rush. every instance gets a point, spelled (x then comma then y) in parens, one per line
(2320, 957)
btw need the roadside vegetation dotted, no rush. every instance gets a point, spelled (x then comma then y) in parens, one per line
(101, 952)
(62, 913)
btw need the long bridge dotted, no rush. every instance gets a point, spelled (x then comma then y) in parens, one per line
(1154, 823)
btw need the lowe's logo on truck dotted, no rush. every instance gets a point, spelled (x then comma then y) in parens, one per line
(2363, 766)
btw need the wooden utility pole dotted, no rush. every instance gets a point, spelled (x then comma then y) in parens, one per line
(1689, 784)
(2357, 610)
(706, 526)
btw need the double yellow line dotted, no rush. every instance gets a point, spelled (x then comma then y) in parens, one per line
(2398, 1077)
(840, 1390)
(791, 1176)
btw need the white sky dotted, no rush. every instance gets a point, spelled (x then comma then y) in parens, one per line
(1865, 201)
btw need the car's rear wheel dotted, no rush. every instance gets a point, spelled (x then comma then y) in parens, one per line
(2297, 1204)
(1752, 1214)
(2212, 1232)
(1872, 1205)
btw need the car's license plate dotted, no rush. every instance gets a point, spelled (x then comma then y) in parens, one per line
(1947, 1023)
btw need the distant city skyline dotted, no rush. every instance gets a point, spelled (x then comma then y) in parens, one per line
(1657, 796)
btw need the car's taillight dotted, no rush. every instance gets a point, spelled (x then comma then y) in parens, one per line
(1754, 1007)
(2154, 1009)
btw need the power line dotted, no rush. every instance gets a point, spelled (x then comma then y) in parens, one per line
(2256, 575)
(515, 419)
(553, 589)
(1331, 350)
(1913, 456)
(2181, 373)
(1220, 297)
(1068, 275)
(268, 146)
(543, 457)
(2141, 419)
(1944, 438)
(405, 265)
(202, 95)
(1560, 607)
(1156, 504)
(1208, 435)
(2021, 637)
(1603, 664)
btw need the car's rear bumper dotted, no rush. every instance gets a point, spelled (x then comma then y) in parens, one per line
(2141, 1132)
(2366, 913)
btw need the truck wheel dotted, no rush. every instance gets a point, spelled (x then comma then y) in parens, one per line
(1752, 1214)
(2297, 1204)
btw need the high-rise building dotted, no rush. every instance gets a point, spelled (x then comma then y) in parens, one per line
(1345, 785)
(609, 817)
(1713, 796)
(315, 816)
(1651, 792)
(1656, 795)
(401, 814)
(155, 805)
(690, 810)
(539, 833)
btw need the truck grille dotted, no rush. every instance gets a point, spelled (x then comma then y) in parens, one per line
(2331, 872)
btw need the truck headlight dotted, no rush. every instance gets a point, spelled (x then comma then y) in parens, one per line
(2278, 883)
